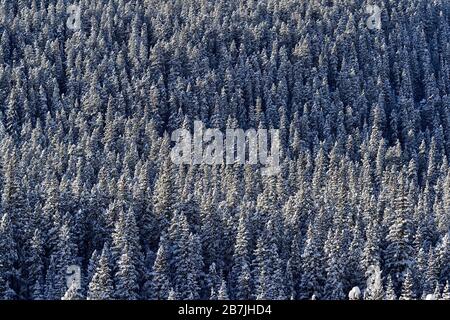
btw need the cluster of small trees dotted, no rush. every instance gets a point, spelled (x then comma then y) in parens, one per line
(86, 176)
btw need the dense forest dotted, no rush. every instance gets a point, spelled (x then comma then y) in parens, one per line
(86, 116)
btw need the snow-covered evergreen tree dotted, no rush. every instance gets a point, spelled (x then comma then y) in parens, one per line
(86, 123)
(101, 284)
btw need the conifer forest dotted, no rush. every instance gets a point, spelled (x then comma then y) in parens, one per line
(360, 208)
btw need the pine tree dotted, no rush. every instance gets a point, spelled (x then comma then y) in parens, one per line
(160, 286)
(92, 267)
(443, 258)
(64, 257)
(223, 291)
(35, 264)
(185, 263)
(267, 267)
(241, 264)
(85, 149)
(212, 281)
(101, 285)
(51, 280)
(312, 277)
(163, 196)
(399, 249)
(390, 293)
(333, 289)
(8, 257)
(407, 289)
(374, 289)
(126, 246)
(126, 277)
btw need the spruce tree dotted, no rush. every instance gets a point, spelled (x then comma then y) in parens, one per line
(101, 285)
(160, 285)
(408, 288)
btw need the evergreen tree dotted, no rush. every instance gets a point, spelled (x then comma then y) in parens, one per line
(101, 284)
(407, 288)
(126, 277)
(8, 258)
(160, 286)
(223, 291)
(241, 264)
(390, 292)
(85, 149)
